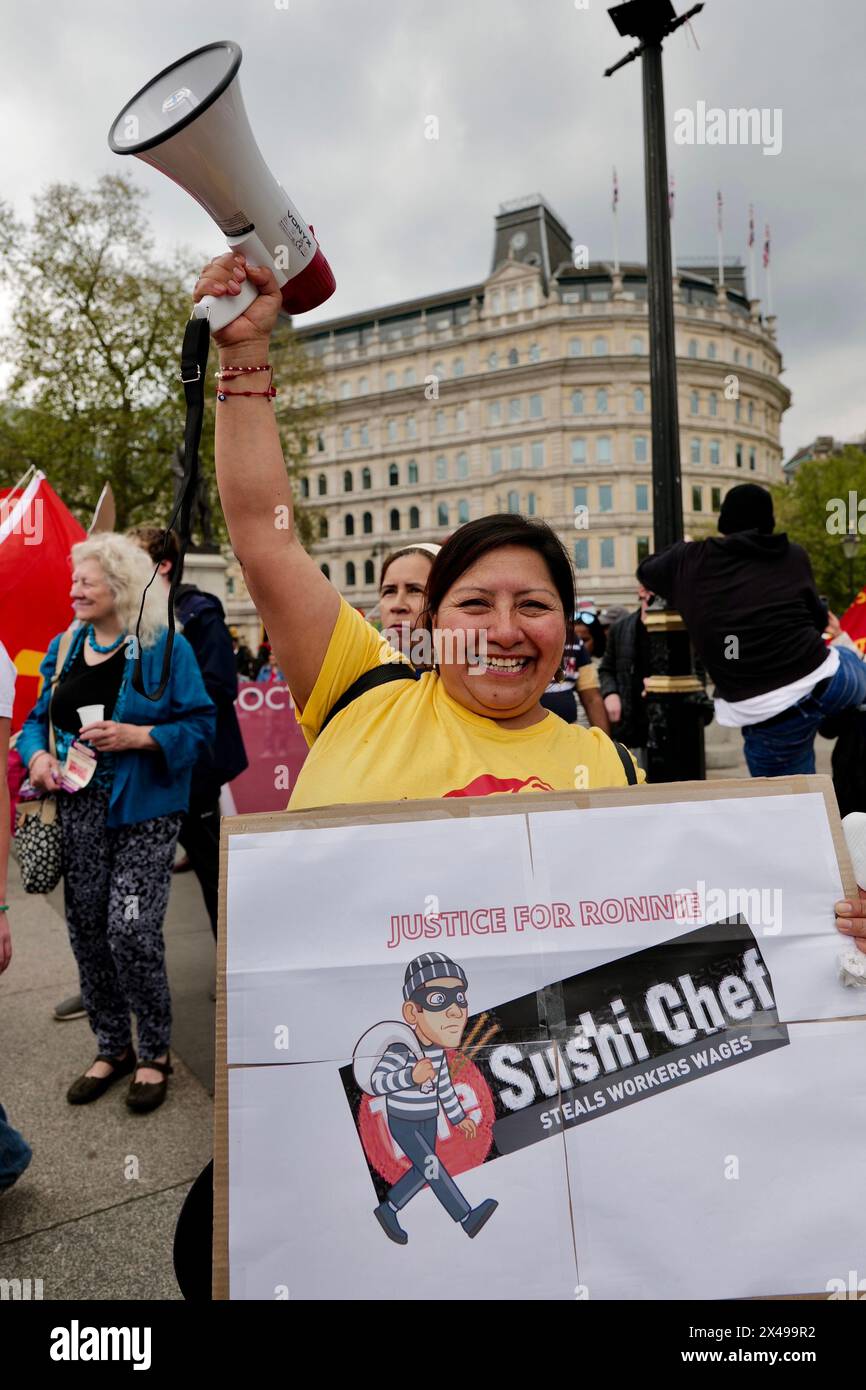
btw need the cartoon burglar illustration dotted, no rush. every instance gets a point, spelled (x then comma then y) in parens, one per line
(413, 1075)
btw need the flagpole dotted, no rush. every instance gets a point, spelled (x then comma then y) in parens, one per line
(615, 225)
(769, 295)
(753, 282)
(671, 197)
(719, 233)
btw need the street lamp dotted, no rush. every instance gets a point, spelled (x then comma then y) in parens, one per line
(851, 549)
(675, 742)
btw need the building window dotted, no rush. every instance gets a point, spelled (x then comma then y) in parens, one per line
(496, 302)
(748, 359)
(751, 411)
(537, 450)
(322, 485)
(369, 572)
(323, 528)
(695, 403)
(693, 347)
(414, 518)
(577, 402)
(642, 547)
(714, 403)
(413, 472)
(366, 479)
(512, 300)
(605, 498)
(739, 455)
(578, 451)
(390, 381)
(752, 460)
(462, 511)
(637, 346)
(460, 418)
(716, 499)
(348, 484)
(513, 357)
(442, 514)
(695, 451)
(736, 354)
(350, 575)
(711, 351)
(348, 525)
(639, 400)
(364, 436)
(579, 496)
(441, 467)
(715, 452)
(326, 570)
(575, 347)
(697, 499)
(515, 456)
(641, 497)
(440, 422)
(411, 427)
(408, 377)
(363, 387)
(305, 487)
(493, 361)
(535, 353)
(320, 443)
(494, 412)
(641, 448)
(599, 347)
(513, 502)
(393, 475)
(515, 409)
(347, 436)
(536, 408)
(391, 429)
(581, 554)
(394, 519)
(602, 449)
(495, 460)
(367, 523)
(345, 390)
(738, 409)
(601, 400)
(439, 370)
(462, 465)
(457, 366)
(607, 554)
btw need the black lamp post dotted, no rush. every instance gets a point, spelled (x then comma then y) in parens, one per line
(851, 549)
(675, 742)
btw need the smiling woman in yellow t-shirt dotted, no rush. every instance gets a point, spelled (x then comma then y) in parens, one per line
(473, 726)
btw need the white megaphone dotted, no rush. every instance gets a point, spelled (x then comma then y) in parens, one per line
(190, 123)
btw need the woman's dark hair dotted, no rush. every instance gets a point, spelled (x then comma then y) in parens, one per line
(477, 538)
(596, 632)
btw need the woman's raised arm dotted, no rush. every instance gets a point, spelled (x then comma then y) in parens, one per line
(297, 604)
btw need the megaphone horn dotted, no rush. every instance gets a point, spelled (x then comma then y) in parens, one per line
(189, 122)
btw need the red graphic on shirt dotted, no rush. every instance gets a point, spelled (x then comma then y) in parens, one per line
(488, 785)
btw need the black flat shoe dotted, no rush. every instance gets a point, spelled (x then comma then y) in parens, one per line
(147, 1095)
(88, 1088)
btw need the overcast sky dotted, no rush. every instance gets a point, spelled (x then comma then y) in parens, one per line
(338, 91)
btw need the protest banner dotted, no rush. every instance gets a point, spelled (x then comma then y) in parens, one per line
(643, 1071)
(274, 744)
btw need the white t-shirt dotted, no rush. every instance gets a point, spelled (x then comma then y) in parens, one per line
(7, 684)
(737, 713)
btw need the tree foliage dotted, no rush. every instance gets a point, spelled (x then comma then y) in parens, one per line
(808, 508)
(96, 327)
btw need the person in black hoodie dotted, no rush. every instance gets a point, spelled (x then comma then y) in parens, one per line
(750, 604)
(204, 627)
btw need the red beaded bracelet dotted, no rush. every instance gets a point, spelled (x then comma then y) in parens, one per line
(224, 395)
(226, 373)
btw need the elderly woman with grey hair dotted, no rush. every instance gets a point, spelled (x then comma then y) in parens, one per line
(120, 828)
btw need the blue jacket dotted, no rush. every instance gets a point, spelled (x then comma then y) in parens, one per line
(146, 783)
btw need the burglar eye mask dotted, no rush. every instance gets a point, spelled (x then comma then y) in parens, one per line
(436, 998)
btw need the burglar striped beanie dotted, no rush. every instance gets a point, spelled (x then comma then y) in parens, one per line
(431, 966)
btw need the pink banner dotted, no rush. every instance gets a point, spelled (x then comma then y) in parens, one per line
(275, 747)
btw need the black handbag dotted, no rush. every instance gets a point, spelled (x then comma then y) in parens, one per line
(37, 828)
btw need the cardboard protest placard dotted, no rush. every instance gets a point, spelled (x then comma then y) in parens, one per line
(564, 1023)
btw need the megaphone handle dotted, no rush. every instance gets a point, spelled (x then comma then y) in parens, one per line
(224, 309)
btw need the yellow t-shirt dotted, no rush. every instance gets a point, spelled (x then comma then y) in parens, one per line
(408, 739)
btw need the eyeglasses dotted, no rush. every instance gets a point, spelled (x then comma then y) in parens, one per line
(437, 999)
(584, 616)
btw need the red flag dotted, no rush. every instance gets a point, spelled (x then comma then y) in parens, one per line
(37, 533)
(751, 225)
(766, 245)
(853, 621)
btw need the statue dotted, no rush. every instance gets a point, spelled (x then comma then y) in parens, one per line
(200, 513)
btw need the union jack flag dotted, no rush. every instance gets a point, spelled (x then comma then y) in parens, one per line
(766, 245)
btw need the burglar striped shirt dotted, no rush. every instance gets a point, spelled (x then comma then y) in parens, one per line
(392, 1078)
